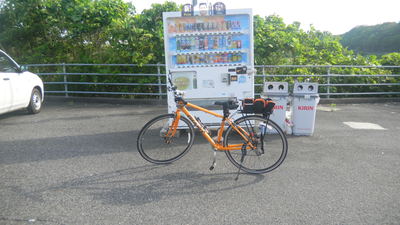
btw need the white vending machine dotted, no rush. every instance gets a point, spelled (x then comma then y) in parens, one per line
(210, 57)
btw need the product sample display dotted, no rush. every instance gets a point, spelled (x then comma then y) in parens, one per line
(208, 40)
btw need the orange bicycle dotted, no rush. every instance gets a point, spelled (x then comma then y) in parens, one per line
(253, 142)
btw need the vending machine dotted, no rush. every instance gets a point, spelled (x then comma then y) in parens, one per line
(210, 56)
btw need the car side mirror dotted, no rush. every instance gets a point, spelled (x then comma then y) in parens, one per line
(23, 68)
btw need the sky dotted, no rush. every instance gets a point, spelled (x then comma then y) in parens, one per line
(335, 16)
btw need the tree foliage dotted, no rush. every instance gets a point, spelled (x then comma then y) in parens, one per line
(378, 39)
(111, 31)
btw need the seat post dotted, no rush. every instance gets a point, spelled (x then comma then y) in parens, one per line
(225, 109)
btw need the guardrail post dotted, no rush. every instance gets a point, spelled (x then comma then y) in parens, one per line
(65, 80)
(328, 82)
(263, 72)
(159, 81)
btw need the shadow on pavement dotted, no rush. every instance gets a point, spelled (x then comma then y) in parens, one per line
(66, 147)
(120, 188)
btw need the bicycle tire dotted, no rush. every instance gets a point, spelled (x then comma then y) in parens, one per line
(275, 145)
(153, 144)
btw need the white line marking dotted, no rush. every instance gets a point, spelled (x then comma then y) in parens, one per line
(364, 126)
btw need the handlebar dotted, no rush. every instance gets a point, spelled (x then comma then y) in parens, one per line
(174, 88)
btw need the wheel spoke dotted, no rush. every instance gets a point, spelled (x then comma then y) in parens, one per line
(157, 144)
(256, 161)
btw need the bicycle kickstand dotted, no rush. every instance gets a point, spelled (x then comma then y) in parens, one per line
(241, 160)
(214, 163)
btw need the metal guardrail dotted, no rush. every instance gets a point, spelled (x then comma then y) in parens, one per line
(327, 79)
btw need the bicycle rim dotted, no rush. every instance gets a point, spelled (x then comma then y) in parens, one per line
(258, 161)
(157, 146)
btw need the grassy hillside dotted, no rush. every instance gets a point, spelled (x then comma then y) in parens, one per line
(379, 39)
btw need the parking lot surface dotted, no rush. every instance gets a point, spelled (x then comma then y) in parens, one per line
(77, 163)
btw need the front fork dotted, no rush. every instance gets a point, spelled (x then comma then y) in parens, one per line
(172, 129)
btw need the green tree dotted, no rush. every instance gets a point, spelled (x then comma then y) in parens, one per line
(57, 31)
(378, 39)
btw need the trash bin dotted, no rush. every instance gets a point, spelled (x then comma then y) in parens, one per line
(279, 93)
(304, 108)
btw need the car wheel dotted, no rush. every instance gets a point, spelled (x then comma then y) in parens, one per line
(35, 104)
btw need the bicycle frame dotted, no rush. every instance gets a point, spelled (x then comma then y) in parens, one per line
(217, 145)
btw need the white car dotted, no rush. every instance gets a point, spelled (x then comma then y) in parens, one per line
(19, 89)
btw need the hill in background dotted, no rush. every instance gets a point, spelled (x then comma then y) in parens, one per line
(378, 39)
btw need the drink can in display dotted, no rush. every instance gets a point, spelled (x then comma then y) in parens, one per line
(194, 59)
(221, 42)
(230, 57)
(186, 59)
(197, 44)
(192, 43)
(183, 43)
(234, 44)
(210, 59)
(215, 58)
(234, 58)
(228, 25)
(188, 43)
(201, 43)
(229, 42)
(225, 58)
(239, 44)
(215, 42)
(178, 44)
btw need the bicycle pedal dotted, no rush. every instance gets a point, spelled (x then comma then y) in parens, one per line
(212, 167)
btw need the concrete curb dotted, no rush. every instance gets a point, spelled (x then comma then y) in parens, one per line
(164, 101)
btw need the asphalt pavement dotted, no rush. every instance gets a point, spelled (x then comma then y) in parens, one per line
(77, 163)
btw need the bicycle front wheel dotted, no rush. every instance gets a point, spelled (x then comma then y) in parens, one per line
(161, 142)
(268, 140)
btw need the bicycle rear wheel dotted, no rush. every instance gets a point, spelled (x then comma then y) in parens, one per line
(271, 147)
(158, 143)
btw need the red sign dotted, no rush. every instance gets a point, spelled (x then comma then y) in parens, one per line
(305, 107)
(277, 107)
